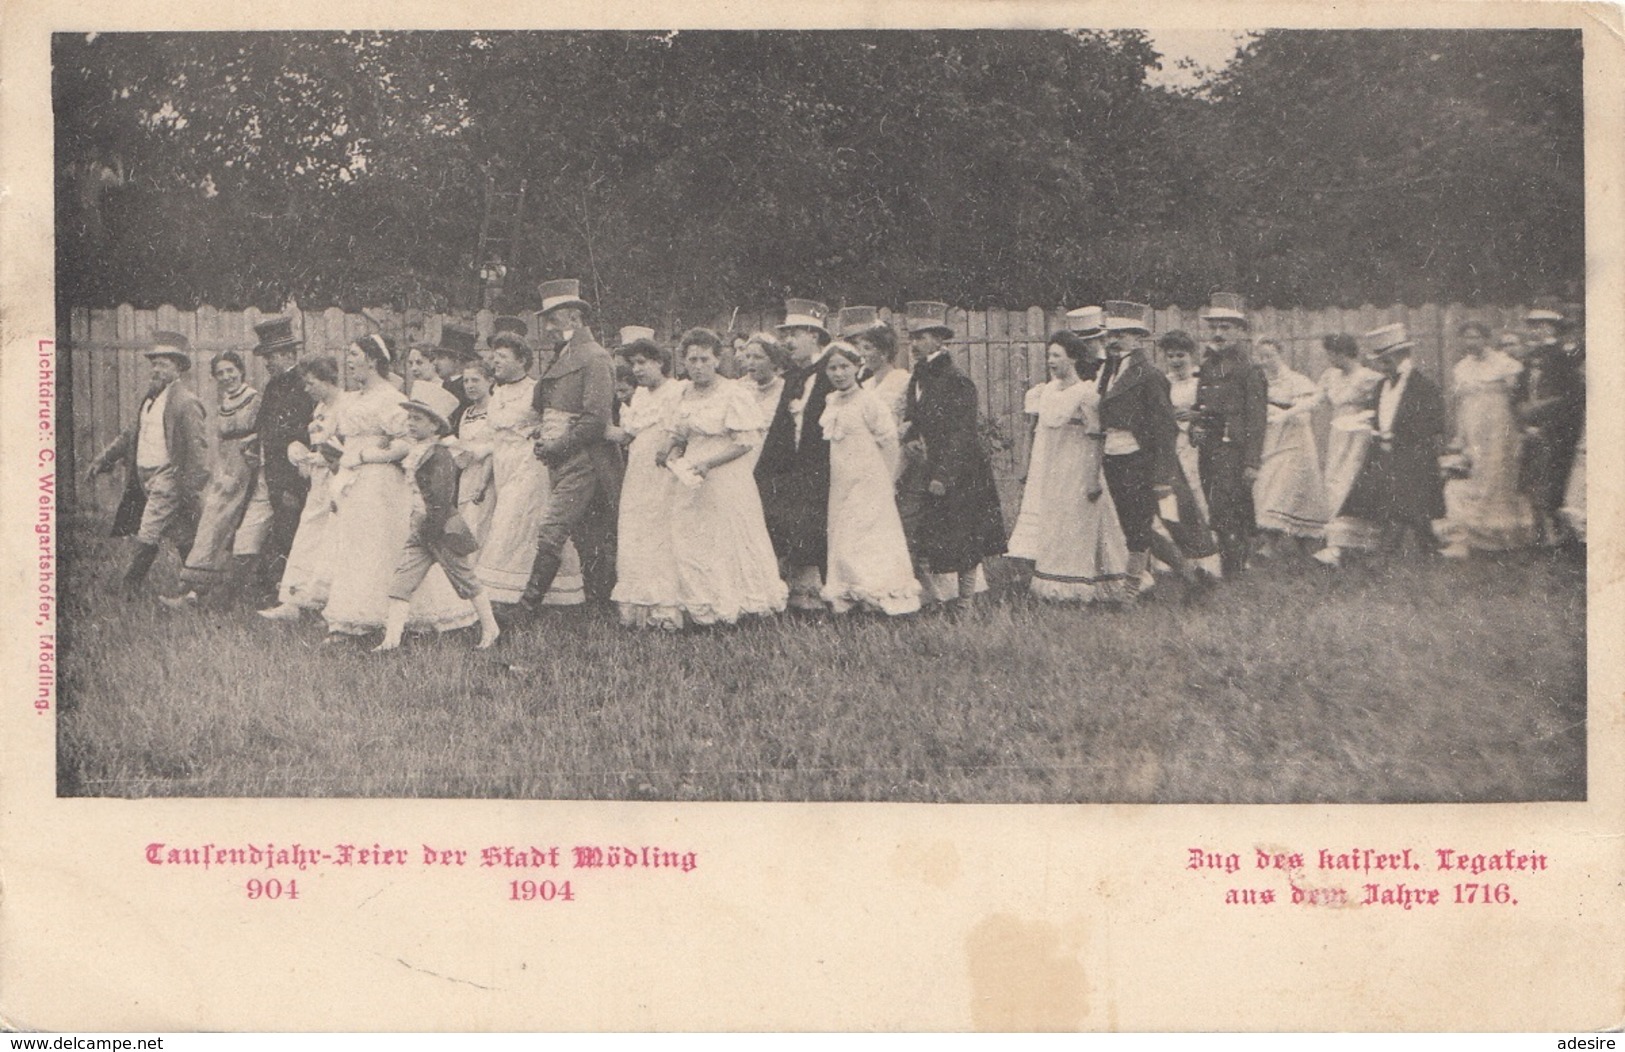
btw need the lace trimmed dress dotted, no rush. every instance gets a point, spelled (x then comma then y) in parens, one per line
(724, 558)
(371, 520)
(868, 563)
(1076, 545)
(767, 400)
(645, 568)
(1485, 510)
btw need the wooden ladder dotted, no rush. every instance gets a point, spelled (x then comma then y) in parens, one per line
(501, 227)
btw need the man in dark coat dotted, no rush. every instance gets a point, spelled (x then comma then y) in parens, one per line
(1232, 414)
(575, 398)
(960, 521)
(1140, 461)
(792, 473)
(285, 411)
(167, 455)
(458, 347)
(1400, 486)
(1551, 406)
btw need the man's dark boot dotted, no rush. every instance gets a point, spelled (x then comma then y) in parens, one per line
(268, 579)
(542, 572)
(141, 561)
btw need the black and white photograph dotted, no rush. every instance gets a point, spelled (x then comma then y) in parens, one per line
(863, 518)
(928, 416)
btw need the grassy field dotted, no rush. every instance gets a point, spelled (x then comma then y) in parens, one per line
(1404, 681)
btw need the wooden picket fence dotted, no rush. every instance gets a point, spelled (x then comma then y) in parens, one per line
(1002, 350)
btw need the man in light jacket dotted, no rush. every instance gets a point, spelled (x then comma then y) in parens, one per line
(167, 455)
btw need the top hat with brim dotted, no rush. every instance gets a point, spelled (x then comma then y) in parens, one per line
(412, 405)
(853, 320)
(804, 314)
(1088, 322)
(458, 342)
(1124, 316)
(1225, 306)
(276, 335)
(171, 345)
(510, 323)
(630, 334)
(928, 316)
(565, 292)
(1390, 339)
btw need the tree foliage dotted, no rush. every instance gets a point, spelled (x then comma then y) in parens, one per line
(681, 173)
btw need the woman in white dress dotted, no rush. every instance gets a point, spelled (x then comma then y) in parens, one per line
(1068, 526)
(471, 450)
(309, 570)
(889, 384)
(645, 568)
(519, 485)
(725, 562)
(762, 361)
(1289, 493)
(1351, 390)
(1485, 511)
(373, 509)
(868, 562)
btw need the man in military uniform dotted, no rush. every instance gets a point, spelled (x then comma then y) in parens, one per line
(575, 399)
(1232, 410)
(1551, 406)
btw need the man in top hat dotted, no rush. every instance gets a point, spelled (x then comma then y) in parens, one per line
(1551, 406)
(1399, 486)
(958, 520)
(458, 347)
(575, 398)
(1231, 416)
(167, 455)
(793, 471)
(1140, 460)
(285, 412)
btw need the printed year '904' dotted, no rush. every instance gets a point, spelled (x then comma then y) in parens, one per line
(518, 890)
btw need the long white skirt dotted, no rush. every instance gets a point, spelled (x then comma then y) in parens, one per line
(370, 527)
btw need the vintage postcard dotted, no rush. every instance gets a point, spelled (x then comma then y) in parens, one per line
(1008, 516)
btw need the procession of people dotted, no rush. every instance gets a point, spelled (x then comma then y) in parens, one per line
(450, 485)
